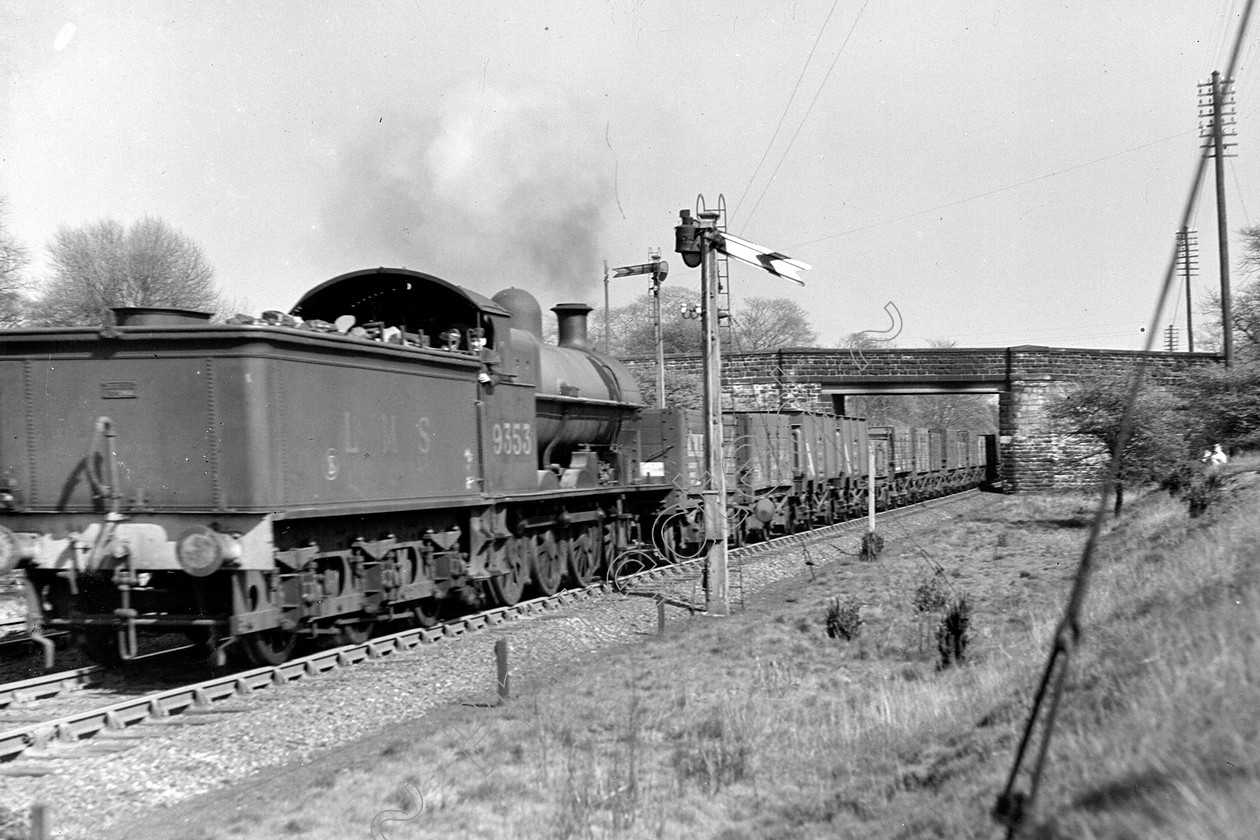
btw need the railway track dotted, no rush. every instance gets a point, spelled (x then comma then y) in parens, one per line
(53, 726)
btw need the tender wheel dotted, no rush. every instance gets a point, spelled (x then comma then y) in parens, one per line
(584, 556)
(269, 647)
(355, 633)
(546, 563)
(507, 588)
(426, 612)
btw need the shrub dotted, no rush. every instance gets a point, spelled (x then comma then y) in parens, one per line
(844, 620)
(872, 546)
(932, 594)
(1226, 405)
(1203, 489)
(952, 634)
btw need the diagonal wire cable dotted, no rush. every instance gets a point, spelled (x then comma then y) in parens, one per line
(805, 118)
(1014, 809)
(996, 190)
(791, 98)
(1238, 190)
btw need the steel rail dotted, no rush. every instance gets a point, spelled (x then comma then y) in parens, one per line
(49, 685)
(45, 686)
(118, 716)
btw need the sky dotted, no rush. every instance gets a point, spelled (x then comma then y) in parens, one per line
(1002, 173)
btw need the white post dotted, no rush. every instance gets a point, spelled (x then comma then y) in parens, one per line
(870, 491)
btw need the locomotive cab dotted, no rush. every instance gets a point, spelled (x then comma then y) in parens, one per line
(550, 416)
(405, 307)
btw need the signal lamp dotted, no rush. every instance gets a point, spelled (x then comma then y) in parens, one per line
(687, 239)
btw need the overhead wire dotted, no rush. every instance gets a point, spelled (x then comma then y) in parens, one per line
(995, 191)
(805, 118)
(1055, 341)
(1239, 192)
(1013, 809)
(786, 108)
(1033, 330)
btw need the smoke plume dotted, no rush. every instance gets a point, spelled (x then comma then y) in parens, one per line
(497, 190)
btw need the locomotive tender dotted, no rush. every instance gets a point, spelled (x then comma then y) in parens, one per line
(254, 481)
(395, 443)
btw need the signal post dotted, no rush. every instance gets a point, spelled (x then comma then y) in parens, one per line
(698, 241)
(693, 238)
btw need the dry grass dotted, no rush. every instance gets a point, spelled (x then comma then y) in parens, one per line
(763, 726)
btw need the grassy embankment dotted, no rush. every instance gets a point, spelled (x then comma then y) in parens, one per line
(763, 726)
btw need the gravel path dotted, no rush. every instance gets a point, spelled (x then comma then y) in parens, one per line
(101, 782)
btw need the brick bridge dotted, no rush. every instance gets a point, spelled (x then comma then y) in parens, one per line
(1024, 378)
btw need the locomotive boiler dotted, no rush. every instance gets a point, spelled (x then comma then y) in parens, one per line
(394, 442)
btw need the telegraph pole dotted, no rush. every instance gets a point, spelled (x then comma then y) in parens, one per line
(1219, 92)
(1188, 257)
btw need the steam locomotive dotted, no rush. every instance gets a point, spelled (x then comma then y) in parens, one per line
(393, 444)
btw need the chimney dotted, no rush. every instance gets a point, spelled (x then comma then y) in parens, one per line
(572, 321)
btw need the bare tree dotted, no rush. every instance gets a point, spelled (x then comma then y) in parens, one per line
(14, 258)
(103, 265)
(1156, 441)
(977, 412)
(633, 327)
(1244, 305)
(682, 389)
(864, 340)
(771, 323)
(760, 324)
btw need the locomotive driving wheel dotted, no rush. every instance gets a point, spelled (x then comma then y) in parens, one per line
(546, 563)
(584, 551)
(608, 535)
(269, 647)
(507, 588)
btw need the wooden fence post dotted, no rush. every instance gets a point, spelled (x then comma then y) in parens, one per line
(501, 659)
(39, 822)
